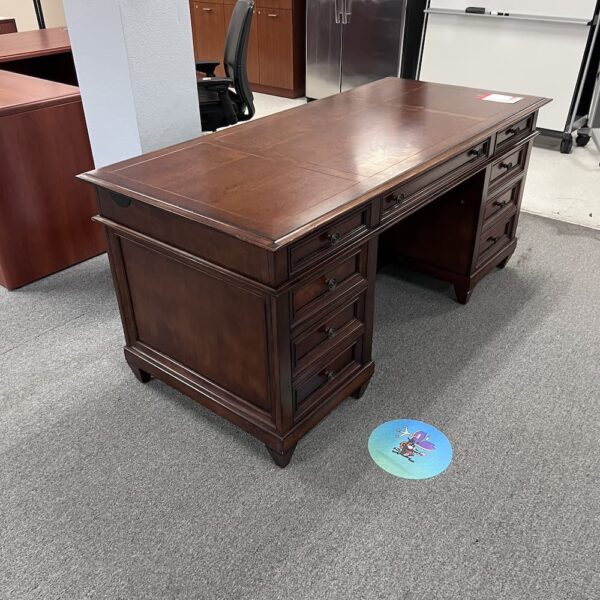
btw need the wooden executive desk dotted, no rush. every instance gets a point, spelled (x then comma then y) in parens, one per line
(245, 261)
(45, 213)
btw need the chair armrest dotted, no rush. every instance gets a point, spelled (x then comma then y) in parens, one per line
(207, 66)
(214, 82)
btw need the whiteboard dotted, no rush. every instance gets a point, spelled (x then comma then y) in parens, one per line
(576, 9)
(517, 57)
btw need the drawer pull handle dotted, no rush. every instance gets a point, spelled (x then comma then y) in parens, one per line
(272, 16)
(330, 331)
(476, 152)
(512, 131)
(507, 166)
(207, 9)
(501, 204)
(331, 284)
(398, 199)
(493, 239)
(329, 374)
(334, 238)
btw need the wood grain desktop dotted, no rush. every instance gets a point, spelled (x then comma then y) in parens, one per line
(245, 261)
(46, 213)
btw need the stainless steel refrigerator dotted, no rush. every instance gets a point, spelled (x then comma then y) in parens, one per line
(352, 42)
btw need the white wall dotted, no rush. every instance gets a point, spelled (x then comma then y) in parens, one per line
(24, 13)
(136, 74)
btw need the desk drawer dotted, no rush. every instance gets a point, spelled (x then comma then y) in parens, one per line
(327, 333)
(312, 389)
(399, 198)
(318, 245)
(501, 201)
(509, 166)
(317, 293)
(496, 236)
(514, 132)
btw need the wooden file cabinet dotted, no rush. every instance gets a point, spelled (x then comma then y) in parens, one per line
(245, 261)
(276, 51)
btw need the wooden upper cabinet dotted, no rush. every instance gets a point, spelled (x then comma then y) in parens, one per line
(208, 26)
(252, 60)
(275, 42)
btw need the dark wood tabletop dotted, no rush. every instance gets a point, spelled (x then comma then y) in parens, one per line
(27, 44)
(20, 93)
(274, 179)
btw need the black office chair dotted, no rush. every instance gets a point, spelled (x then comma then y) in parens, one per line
(220, 105)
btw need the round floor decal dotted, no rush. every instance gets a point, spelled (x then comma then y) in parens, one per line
(410, 449)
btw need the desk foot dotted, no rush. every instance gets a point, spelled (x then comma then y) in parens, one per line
(140, 375)
(503, 263)
(360, 392)
(463, 293)
(281, 460)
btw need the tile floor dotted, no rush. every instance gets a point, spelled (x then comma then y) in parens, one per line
(559, 186)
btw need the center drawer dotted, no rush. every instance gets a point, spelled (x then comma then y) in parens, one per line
(399, 198)
(317, 292)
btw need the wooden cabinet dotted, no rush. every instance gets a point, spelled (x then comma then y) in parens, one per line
(276, 52)
(208, 27)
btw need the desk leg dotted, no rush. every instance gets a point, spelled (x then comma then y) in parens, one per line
(463, 292)
(281, 460)
(503, 263)
(359, 393)
(140, 375)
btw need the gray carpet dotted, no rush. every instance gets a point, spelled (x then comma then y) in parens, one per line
(113, 489)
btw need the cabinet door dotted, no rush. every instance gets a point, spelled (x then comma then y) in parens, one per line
(208, 26)
(252, 60)
(275, 47)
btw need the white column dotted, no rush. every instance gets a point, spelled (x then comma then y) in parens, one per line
(136, 73)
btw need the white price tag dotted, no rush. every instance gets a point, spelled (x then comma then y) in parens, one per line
(500, 98)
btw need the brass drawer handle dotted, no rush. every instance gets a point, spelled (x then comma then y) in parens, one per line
(331, 284)
(272, 16)
(493, 239)
(329, 374)
(512, 131)
(330, 332)
(334, 238)
(507, 166)
(207, 9)
(501, 204)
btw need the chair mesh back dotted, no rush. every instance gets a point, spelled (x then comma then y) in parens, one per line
(236, 52)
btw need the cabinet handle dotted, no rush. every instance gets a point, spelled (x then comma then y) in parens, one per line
(331, 284)
(329, 374)
(507, 166)
(207, 9)
(476, 152)
(334, 238)
(330, 332)
(272, 16)
(512, 131)
(493, 239)
(398, 199)
(501, 204)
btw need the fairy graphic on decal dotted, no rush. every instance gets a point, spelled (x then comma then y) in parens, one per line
(417, 443)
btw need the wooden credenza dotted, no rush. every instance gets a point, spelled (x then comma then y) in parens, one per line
(276, 52)
(245, 261)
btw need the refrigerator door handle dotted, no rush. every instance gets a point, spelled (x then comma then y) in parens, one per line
(346, 11)
(337, 11)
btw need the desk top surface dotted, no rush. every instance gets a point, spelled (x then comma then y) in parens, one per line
(28, 44)
(271, 180)
(19, 93)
